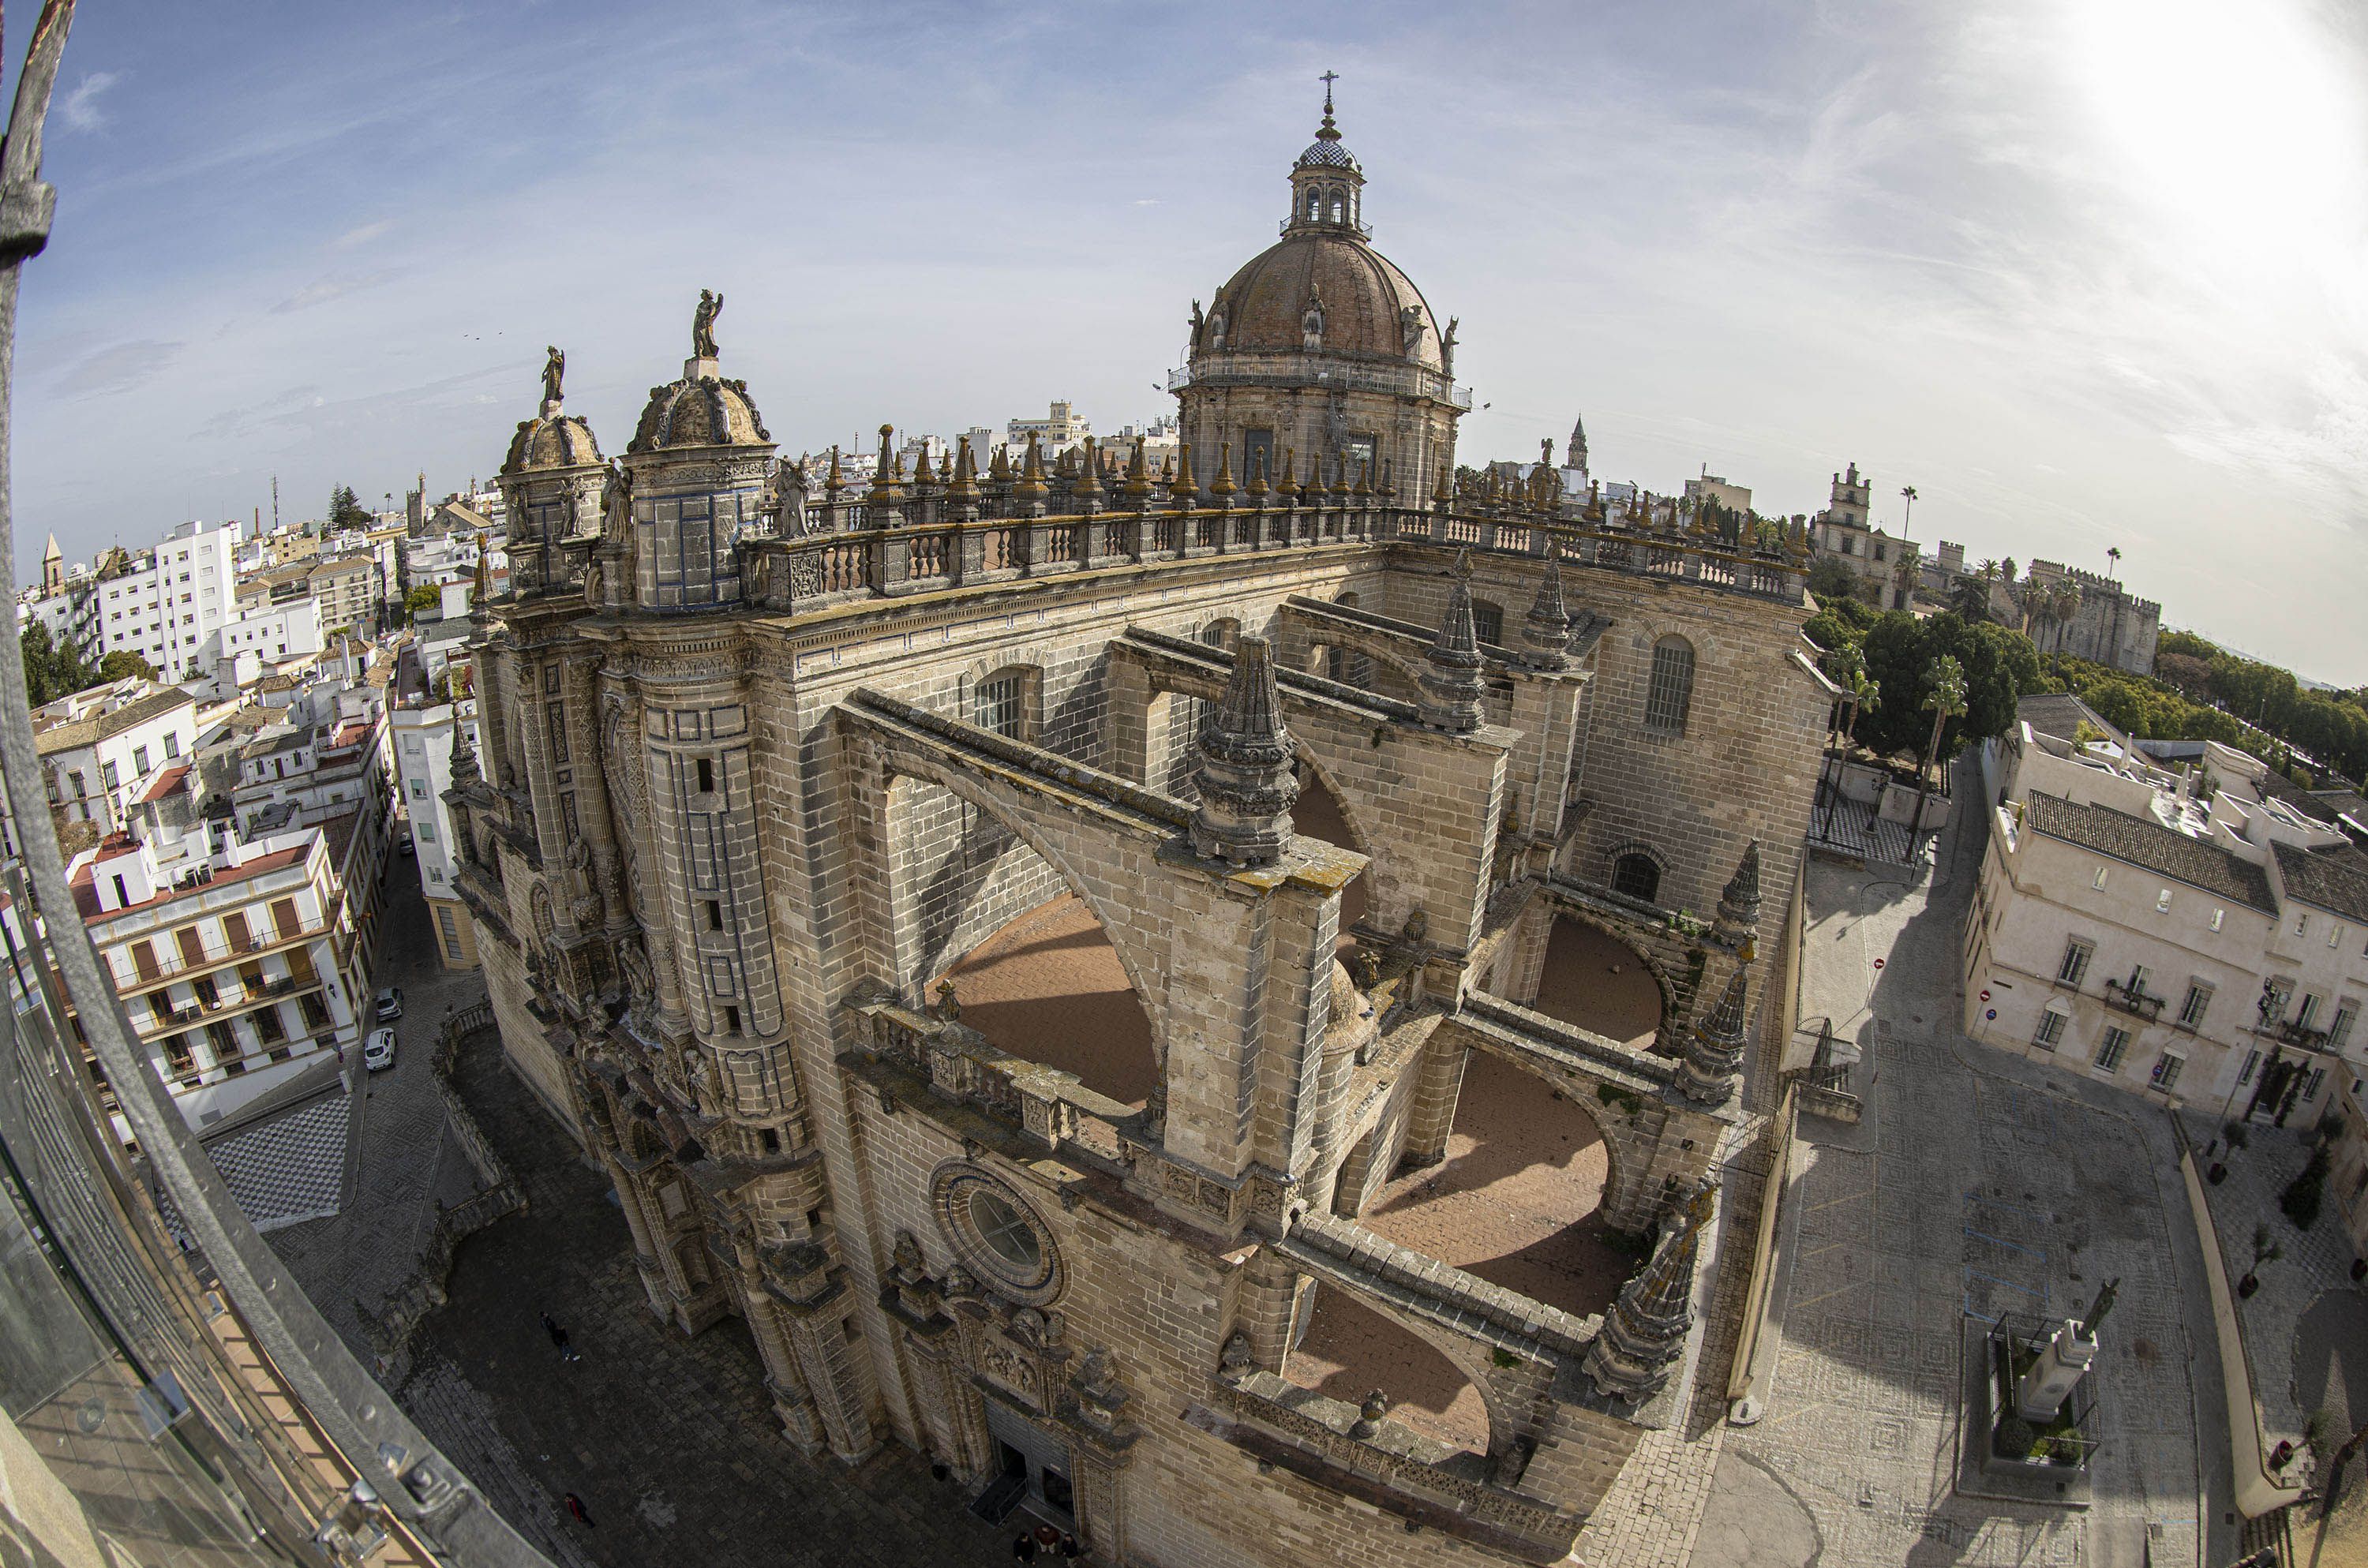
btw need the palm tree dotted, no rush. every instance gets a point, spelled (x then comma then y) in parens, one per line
(2067, 607)
(1944, 699)
(1847, 667)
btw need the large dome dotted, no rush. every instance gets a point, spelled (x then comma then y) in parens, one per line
(1364, 300)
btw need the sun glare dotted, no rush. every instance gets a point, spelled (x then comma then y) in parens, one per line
(2242, 124)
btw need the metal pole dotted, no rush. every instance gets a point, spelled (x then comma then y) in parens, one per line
(414, 1482)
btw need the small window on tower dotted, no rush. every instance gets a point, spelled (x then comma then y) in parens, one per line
(706, 775)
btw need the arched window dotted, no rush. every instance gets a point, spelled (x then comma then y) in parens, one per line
(1636, 875)
(1670, 696)
(1337, 208)
(1315, 206)
(1007, 702)
(1225, 631)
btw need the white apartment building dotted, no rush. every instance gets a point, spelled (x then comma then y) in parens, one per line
(290, 628)
(239, 962)
(166, 603)
(103, 749)
(2207, 946)
(323, 757)
(423, 733)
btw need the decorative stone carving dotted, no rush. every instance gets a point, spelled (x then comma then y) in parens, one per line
(1246, 777)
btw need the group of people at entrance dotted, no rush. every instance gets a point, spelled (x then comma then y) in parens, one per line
(1046, 1542)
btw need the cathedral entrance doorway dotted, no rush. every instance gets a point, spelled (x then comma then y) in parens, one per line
(1032, 1467)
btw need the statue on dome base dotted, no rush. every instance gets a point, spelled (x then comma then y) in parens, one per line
(554, 366)
(702, 324)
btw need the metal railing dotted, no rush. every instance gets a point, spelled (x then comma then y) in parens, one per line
(2132, 997)
(294, 1352)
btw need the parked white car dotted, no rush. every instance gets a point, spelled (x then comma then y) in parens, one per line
(378, 1053)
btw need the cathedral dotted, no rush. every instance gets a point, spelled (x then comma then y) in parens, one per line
(1210, 1000)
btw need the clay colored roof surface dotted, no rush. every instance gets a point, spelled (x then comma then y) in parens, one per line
(2153, 847)
(2333, 879)
(111, 721)
(166, 782)
(87, 895)
(1362, 292)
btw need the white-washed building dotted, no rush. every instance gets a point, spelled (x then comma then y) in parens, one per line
(2203, 945)
(102, 749)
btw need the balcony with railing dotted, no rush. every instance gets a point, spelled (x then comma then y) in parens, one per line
(2293, 1031)
(177, 965)
(2131, 997)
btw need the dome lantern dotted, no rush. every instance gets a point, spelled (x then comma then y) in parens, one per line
(1326, 186)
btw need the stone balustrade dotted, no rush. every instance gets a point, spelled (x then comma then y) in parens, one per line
(845, 553)
(1051, 1106)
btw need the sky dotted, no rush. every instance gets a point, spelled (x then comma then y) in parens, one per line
(2089, 274)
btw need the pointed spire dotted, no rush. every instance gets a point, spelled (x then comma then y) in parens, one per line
(1032, 489)
(1364, 491)
(886, 490)
(1258, 478)
(1286, 489)
(1595, 502)
(1137, 489)
(1645, 1332)
(1245, 775)
(1575, 455)
(1221, 489)
(481, 599)
(1738, 906)
(1443, 497)
(1546, 629)
(1086, 493)
(1713, 1056)
(836, 481)
(962, 484)
(1181, 490)
(998, 467)
(1451, 677)
(1340, 477)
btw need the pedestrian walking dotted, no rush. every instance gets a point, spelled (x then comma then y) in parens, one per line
(1070, 1549)
(1023, 1548)
(559, 1339)
(575, 1506)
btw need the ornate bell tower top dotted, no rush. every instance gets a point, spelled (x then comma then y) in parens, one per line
(1326, 186)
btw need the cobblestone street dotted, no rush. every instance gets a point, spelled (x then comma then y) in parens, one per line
(668, 1440)
(402, 1159)
(1974, 1185)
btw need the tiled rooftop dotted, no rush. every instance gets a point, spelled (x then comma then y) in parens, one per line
(2333, 879)
(2144, 843)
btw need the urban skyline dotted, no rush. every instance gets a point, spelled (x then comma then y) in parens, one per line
(1973, 238)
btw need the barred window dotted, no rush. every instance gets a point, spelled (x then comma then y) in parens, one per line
(2191, 1013)
(2108, 1055)
(1488, 620)
(1637, 876)
(1670, 696)
(1003, 703)
(2165, 1070)
(2051, 1030)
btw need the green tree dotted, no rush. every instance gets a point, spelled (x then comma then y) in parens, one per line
(346, 511)
(2000, 667)
(122, 665)
(53, 671)
(1944, 699)
(425, 597)
(1831, 578)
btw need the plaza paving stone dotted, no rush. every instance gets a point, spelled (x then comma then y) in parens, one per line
(1975, 1184)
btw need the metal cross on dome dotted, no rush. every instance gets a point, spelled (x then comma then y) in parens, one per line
(1327, 79)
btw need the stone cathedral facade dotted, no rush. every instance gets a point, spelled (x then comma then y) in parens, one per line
(766, 753)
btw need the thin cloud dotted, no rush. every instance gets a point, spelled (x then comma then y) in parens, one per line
(116, 370)
(362, 235)
(322, 290)
(80, 108)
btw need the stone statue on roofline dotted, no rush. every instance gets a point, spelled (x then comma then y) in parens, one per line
(702, 324)
(554, 367)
